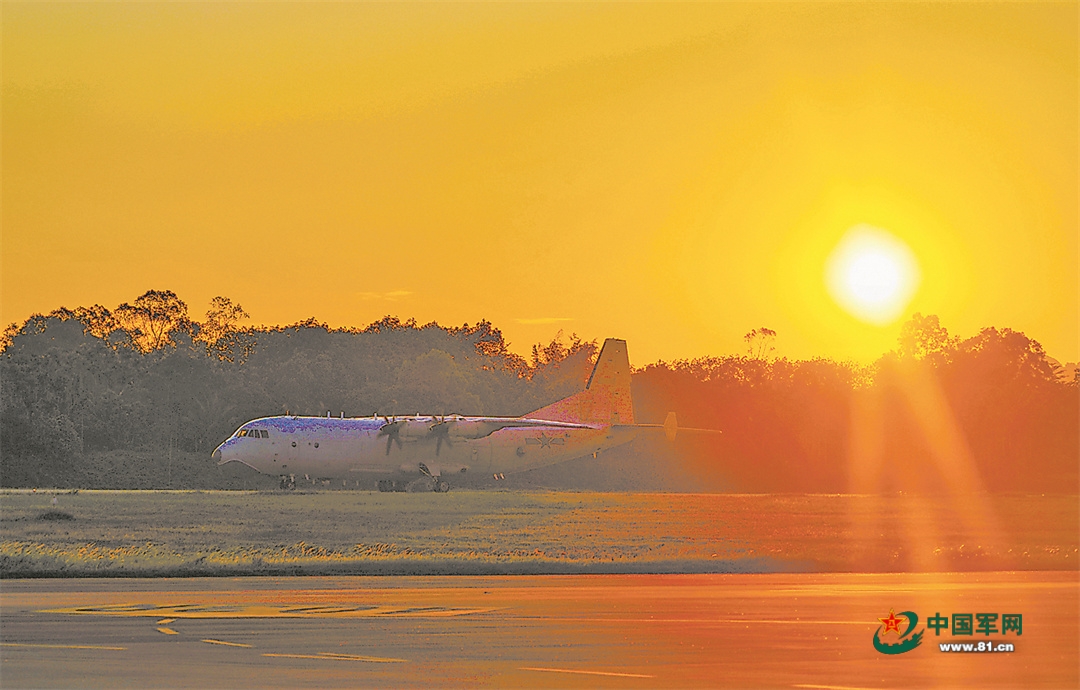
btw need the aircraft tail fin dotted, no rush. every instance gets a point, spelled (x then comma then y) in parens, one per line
(606, 398)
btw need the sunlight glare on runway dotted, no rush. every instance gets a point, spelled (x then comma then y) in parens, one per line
(585, 673)
(742, 630)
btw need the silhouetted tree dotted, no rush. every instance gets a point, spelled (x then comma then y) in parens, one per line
(219, 333)
(759, 342)
(924, 337)
(561, 369)
(152, 318)
(435, 383)
(97, 320)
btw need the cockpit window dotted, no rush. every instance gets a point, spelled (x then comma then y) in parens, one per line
(253, 433)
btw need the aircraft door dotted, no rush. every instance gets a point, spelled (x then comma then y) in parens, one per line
(287, 453)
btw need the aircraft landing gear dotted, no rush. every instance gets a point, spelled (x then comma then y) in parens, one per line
(437, 484)
(288, 482)
(416, 485)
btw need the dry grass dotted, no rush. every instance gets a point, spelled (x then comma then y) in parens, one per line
(232, 533)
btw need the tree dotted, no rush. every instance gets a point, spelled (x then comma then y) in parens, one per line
(435, 382)
(562, 369)
(924, 337)
(219, 333)
(97, 320)
(488, 341)
(759, 342)
(1009, 356)
(555, 352)
(153, 317)
(389, 323)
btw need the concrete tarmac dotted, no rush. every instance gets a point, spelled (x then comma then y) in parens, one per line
(620, 631)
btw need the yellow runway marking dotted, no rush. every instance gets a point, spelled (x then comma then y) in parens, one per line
(166, 621)
(186, 611)
(658, 619)
(829, 687)
(227, 644)
(61, 646)
(357, 657)
(167, 631)
(587, 673)
(340, 657)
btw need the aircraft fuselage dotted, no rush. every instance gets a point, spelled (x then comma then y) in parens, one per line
(356, 448)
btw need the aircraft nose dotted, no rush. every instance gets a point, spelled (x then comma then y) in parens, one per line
(217, 455)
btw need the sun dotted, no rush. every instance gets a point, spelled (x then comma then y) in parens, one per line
(872, 274)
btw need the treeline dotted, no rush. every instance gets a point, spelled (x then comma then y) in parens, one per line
(134, 386)
(146, 377)
(939, 414)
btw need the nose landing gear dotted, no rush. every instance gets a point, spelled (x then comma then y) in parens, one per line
(288, 482)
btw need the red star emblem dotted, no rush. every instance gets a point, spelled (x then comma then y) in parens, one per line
(892, 622)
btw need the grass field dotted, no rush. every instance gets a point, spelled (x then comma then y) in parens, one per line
(159, 533)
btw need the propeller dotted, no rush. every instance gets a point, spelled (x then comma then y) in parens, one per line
(392, 431)
(440, 429)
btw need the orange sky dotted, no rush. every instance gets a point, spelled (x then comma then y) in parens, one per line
(671, 174)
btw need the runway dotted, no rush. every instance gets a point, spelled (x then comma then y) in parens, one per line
(633, 631)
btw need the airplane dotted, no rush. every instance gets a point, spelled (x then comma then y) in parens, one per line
(427, 451)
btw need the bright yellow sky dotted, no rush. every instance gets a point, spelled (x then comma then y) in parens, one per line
(674, 175)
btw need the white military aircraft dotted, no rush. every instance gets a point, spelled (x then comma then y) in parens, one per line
(427, 450)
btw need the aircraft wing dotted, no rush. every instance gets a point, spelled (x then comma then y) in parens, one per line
(479, 427)
(523, 422)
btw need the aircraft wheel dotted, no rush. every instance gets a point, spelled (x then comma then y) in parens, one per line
(443, 487)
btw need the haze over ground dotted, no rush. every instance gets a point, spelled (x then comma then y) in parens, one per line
(671, 175)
